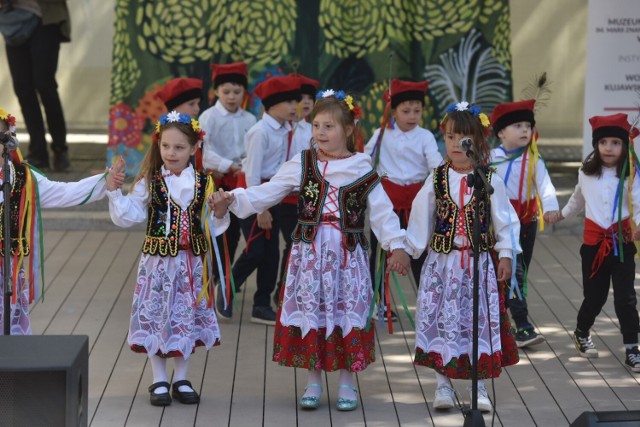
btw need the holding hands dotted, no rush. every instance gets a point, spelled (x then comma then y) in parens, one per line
(219, 202)
(116, 174)
(552, 217)
(399, 262)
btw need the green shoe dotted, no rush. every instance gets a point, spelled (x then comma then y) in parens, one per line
(347, 404)
(310, 402)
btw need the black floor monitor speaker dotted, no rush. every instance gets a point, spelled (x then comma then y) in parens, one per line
(44, 380)
(608, 419)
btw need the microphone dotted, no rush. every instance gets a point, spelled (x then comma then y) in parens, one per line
(8, 140)
(466, 144)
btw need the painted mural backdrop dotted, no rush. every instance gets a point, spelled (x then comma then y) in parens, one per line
(461, 46)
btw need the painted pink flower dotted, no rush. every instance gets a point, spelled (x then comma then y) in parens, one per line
(125, 126)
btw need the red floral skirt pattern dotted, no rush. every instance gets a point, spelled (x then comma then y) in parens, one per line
(317, 352)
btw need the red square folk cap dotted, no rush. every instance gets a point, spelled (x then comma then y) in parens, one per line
(278, 89)
(612, 126)
(236, 72)
(308, 85)
(402, 90)
(179, 91)
(508, 113)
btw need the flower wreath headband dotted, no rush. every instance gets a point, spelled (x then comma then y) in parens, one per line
(11, 120)
(473, 109)
(340, 95)
(175, 117)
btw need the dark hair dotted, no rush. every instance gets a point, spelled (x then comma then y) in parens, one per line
(152, 160)
(593, 164)
(465, 123)
(341, 113)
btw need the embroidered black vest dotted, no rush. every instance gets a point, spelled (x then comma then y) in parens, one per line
(447, 215)
(19, 244)
(352, 200)
(157, 240)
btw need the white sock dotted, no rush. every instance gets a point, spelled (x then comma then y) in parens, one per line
(442, 380)
(180, 371)
(313, 378)
(159, 369)
(345, 385)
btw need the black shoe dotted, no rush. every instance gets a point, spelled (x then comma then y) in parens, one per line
(38, 163)
(223, 313)
(263, 316)
(186, 397)
(584, 345)
(527, 337)
(159, 399)
(61, 161)
(633, 359)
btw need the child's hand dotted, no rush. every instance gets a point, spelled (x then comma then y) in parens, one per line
(636, 234)
(235, 169)
(265, 220)
(399, 262)
(552, 217)
(219, 202)
(504, 269)
(115, 177)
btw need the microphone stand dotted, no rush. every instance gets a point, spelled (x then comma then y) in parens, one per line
(477, 180)
(6, 235)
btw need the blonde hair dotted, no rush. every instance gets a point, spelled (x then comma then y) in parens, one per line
(340, 111)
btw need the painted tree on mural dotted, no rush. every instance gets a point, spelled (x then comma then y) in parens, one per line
(461, 46)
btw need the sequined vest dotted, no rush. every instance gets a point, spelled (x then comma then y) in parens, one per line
(160, 242)
(447, 213)
(352, 200)
(19, 245)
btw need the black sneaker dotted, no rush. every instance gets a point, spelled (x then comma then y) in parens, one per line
(41, 164)
(61, 161)
(263, 316)
(223, 313)
(527, 337)
(584, 345)
(633, 359)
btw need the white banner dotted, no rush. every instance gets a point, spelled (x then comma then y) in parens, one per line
(613, 62)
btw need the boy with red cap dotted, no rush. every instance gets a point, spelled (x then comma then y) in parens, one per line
(299, 139)
(182, 95)
(404, 155)
(225, 125)
(605, 181)
(266, 147)
(530, 191)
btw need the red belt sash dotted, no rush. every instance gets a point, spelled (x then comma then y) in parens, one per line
(594, 235)
(401, 196)
(291, 199)
(527, 211)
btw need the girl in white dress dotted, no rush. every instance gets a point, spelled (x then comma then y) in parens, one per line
(171, 313)
(322, 319)
(31, 191)
(441, 221)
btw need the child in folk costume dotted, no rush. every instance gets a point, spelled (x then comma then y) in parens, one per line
(225, 125)
(609, 192)
(442, 218)
(322, 318)
(266, 147)
(299, 139)
(171, 312)
(404, 156)
(529, 189)
(182, 95)
(31, 191)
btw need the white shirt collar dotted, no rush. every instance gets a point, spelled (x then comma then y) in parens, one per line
(273, 123)
(186, 172)
(221, 108)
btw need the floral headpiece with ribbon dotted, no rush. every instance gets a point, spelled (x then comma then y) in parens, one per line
(175, 117)
(11, 120)
(473, 109)
(342, 96)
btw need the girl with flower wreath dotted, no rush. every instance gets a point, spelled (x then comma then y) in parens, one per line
(322, 321)
(172, 311)
(31, 191)
(441, 221)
